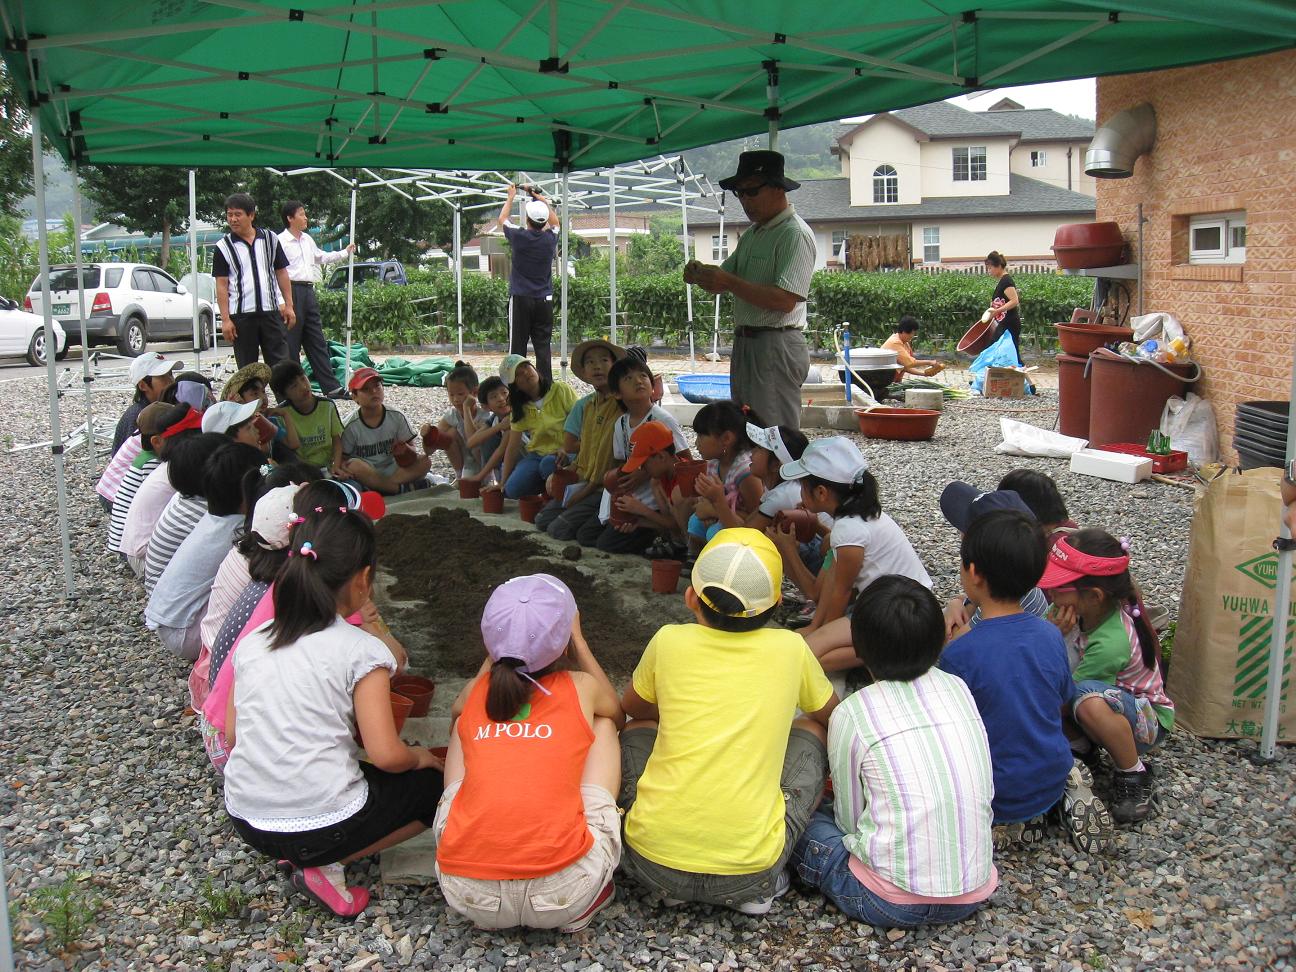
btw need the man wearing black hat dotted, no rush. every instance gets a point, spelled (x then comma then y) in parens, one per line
(769, 276)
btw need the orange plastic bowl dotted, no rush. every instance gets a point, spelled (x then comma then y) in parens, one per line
(899, 424)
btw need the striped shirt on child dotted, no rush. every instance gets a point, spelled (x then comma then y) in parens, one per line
(912, 788)
(177, 521)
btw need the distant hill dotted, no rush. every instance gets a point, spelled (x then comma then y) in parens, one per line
(805, 149)
(58, 192)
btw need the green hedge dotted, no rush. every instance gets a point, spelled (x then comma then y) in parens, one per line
(654, 307)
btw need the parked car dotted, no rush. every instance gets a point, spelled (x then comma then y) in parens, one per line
(24, 333)
(383, 271)
(130, 305)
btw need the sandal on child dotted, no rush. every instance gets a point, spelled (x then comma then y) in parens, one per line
(312, 882)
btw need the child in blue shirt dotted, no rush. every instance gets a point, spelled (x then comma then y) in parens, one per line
(1017, 669)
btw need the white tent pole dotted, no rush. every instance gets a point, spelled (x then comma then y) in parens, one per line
(346, 374)
(563, 269)
(85, 343)
(688, 289)
(1281, 605)
(612, 255)
(193, 266)
(458, 261)
(51, 378)
(724, 248)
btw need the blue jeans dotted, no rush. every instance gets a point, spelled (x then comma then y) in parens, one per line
(1147, 730)
(529, 475)
(822, 860)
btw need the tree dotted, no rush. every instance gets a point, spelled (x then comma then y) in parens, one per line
(15, 145)
(155, 199)
(655, 254)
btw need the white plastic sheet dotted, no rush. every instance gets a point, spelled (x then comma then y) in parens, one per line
(1020, 439)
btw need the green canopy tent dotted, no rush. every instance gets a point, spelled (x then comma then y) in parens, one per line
(544, 84)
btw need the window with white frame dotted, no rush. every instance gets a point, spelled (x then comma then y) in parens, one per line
(719, 248)
(1039, 159)
(839, 238)
(970, 164)
(931, 244)
(1217, 238)
(886, 184)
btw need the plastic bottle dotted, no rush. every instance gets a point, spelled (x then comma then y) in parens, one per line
(1178, 350)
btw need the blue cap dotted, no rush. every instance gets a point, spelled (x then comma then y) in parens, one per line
(963, 503)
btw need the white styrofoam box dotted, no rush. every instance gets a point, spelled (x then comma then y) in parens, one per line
(1111, 465)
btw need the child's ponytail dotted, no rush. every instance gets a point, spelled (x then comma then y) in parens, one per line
(328, 548)
(726, 415)
(508, 691)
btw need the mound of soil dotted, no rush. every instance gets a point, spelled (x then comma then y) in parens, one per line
(452, 562)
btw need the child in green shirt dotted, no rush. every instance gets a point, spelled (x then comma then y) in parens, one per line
(315, 419)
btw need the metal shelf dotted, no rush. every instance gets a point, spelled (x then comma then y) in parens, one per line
(1125, 271)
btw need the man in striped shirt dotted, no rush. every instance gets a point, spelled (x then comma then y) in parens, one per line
(252, 286)
(769, 275)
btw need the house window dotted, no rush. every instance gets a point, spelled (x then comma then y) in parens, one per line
(839, 238)
(970, 164)
(719, 248)
(1217, 238)
(931, 244)
(886, 185)
(1039, 159)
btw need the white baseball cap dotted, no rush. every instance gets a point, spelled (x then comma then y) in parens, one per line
(224, 415)
(769, 439)
(273, 517)
(150, 364)
(836, 459)
(537, 211)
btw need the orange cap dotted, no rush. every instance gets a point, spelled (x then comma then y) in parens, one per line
(645, 442)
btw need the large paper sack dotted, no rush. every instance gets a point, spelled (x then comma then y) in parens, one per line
(1221, 647)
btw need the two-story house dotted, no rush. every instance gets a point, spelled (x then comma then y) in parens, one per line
(954, 183)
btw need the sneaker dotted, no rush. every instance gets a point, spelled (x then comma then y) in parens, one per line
(1131, 796)
(761, 906)
(666, 550)
(314, 883)
(1086, 819)
(803, 617)
(339, 394)
(1022, 833)
(605, 898)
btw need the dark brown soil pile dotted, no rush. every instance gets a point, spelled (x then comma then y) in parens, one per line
(452, 563)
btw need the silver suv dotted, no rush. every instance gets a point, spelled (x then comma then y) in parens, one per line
(130, 305)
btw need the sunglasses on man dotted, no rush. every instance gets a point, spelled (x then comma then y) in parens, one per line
(750, 191)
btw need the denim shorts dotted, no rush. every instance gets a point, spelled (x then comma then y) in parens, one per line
(703, 531)
(1139, 713)
(805, 768)
(822, 861)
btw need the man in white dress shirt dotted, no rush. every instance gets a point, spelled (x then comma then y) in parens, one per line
(304, 261)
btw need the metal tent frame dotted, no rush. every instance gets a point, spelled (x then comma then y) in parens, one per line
(660, 181)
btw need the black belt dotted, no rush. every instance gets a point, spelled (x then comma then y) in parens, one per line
(302, 283)
(758, 331)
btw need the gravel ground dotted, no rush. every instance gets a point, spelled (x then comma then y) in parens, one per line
(104, 782)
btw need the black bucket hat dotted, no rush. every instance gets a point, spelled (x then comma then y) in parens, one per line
(762, 163)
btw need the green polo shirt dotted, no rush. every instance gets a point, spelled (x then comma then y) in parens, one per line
(779, 252)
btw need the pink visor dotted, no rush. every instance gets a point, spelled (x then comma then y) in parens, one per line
(1066, 565)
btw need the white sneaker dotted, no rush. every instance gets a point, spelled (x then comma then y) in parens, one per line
(761, 906)
(1087, 820)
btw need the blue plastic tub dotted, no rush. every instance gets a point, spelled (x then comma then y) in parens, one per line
(701, 389)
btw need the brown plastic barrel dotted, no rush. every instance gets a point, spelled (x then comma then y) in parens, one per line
(1073, 396)
(1126, 398)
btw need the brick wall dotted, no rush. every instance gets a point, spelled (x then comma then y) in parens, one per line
(1226, 140)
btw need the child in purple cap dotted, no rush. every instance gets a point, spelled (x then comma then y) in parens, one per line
(527, 832)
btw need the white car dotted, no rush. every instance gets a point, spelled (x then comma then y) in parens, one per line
(22, 333)
(130, 305)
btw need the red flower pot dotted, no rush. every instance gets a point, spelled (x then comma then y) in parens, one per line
(418, 690)
(493, 501)
(804, 523)
(469, 489)
(529, 506)
(665, 576)
(686, 474)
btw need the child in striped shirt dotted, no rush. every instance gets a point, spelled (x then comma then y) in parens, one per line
(906, 840)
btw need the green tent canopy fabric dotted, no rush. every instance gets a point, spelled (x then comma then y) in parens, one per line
(428, 373)
(547, 84)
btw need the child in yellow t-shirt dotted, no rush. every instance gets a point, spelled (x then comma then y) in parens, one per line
(540, 407)
(678, 753)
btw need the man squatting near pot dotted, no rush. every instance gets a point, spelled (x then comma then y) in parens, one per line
(769, 275)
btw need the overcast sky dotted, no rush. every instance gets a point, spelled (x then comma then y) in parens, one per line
(1068, 97)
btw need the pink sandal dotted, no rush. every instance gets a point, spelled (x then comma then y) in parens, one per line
(314, 884)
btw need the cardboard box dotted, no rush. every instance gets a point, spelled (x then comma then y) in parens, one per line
(1005, 383)
(1111, 465)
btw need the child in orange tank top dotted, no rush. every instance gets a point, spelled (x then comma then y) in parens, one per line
(527, 832)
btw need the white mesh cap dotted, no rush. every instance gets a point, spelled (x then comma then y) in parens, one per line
(744, 563)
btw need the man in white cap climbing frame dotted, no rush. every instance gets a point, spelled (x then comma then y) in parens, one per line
(531, 281)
